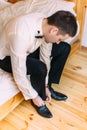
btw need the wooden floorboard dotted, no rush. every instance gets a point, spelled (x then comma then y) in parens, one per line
(67, 115)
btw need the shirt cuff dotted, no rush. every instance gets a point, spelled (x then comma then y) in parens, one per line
(27, 97)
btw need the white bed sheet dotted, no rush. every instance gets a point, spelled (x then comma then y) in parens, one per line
(8, 88)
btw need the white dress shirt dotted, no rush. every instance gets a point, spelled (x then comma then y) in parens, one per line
(18, 40)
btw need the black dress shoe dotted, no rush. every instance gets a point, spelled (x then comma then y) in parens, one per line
(58, 96)
(43, 111)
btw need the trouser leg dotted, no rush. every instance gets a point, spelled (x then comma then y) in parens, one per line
(35, 68)
(37, 71)
(60, 54)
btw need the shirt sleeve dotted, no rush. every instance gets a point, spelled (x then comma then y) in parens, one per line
(45, 56)
(18, 47)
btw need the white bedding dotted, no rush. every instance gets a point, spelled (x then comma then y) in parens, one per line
(8, 87)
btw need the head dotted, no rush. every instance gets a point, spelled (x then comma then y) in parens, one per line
(59, 26)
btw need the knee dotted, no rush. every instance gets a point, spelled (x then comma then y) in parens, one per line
(66, 47)
(61, 49)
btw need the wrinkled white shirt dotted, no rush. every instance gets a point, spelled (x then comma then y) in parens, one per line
(18, 40)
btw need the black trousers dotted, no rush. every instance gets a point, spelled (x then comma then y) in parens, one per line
(37, 69)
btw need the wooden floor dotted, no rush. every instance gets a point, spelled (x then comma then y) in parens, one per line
(67, 115)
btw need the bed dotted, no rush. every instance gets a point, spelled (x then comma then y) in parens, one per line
(10, 96)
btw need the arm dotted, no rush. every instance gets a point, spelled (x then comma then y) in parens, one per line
(18, 55)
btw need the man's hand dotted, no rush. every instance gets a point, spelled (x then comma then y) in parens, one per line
(38, 101)
(48, 95)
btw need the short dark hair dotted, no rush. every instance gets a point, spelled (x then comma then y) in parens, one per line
(65, 21)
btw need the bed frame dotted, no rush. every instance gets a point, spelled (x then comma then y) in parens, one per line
(8, 106)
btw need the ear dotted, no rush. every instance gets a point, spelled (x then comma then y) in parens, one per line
(54, 30)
